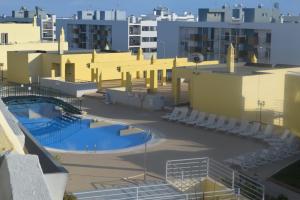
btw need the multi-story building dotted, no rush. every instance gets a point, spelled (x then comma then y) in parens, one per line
(101, 29)
(115, 15)
(212, 37)
(45, 21)
(164, 13)
(95, 34)
(240, 14)
(143, 34)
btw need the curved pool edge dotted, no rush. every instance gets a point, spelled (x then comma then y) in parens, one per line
(155, 140)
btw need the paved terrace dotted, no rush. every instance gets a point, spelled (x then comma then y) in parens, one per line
(178, 142)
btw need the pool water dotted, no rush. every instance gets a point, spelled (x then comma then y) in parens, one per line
(68, 132)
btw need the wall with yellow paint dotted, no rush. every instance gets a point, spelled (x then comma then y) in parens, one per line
(237, 95)
(20, 33)
(217, 93)
(18, 71)
(89, 66)
(292, 103)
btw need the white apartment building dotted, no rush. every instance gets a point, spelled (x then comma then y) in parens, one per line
(142, 34)
(48, 27)
(273, 43)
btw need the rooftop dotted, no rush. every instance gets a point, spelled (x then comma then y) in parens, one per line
(241, 69)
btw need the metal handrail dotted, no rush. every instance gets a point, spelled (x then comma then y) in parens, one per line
(243, 184)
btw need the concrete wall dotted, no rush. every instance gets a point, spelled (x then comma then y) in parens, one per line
(56, 183)
(21, 178)
(73, 89)
(120, 96)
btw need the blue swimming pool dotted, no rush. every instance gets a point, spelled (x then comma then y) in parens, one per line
(59, 130)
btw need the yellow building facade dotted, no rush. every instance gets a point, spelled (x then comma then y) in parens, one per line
(292, 102)
(21, 37)
(238, 91)
(92, 66)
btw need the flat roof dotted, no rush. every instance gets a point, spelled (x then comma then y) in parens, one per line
(242, 69)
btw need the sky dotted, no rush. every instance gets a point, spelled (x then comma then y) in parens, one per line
(66, 8)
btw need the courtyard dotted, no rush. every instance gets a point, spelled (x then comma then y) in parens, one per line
(90, 171)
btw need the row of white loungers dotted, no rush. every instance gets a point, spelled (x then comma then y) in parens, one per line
(280, 145)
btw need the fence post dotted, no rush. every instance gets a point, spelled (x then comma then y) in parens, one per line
(182, 174)
(167, 171)
(207, 169)
(137, 193)
(233, 177)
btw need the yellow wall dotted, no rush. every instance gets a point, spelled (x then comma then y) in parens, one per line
(20, 33)
(292, 103)
(217, 93)
(237, 95)
(45, 46)
(88, 66)
(18, 71)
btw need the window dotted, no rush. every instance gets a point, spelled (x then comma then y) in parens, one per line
(4, 38)
(152, 28)
(145, 28)
(149, 28)
(153, 39)
(145, 39)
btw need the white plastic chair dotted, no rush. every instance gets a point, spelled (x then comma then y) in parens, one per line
(192, 117)
(200, 118)
(220, 122)
(210, 120)
(278, 139)
(174, 113)
(182, 113)
(268, 132)
(243, 127)
(254, 129)
(229, 126)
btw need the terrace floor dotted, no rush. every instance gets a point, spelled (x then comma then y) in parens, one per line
(177, 141)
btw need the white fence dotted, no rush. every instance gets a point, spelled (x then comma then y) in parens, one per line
(185, 173)
(182, 183)
(153, 192)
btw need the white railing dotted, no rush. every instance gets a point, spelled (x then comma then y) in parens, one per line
(183, 174)
(183, 182)
(153, 192)
(187, 172)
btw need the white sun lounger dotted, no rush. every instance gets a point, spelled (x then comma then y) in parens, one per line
(182, 114)
(253, 130)
(220, 122)
(278, 139)
(174, 113)
(241, 128)
(192, 117)
(210, 120)
(200, 118)
(229, 126)
(268, 132)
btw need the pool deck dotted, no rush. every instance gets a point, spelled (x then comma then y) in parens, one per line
(92, 171)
